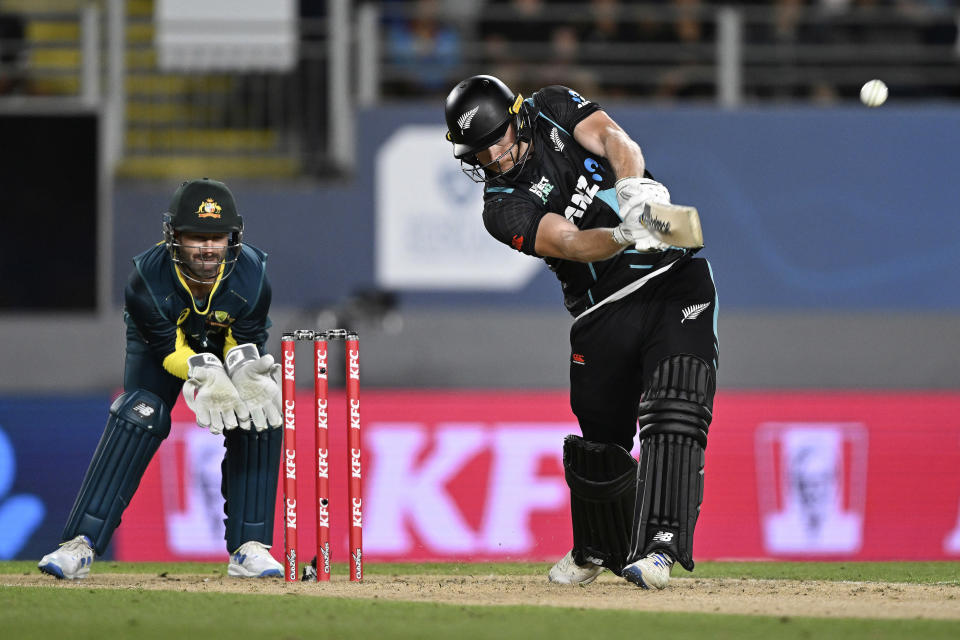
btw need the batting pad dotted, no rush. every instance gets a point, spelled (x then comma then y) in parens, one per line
(602, 480)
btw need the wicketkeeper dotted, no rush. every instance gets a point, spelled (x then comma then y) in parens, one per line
(196, 316)
(563, 182)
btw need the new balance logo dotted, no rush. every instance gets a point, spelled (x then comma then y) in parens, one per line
(693, 311)
(557, 142)
(663, 536)
(464, 121)
(143, 409)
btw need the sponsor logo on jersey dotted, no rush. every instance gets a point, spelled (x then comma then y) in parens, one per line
(580, 100)
(581, 199)
(542, 189)
(208, 209)
(557, 142)
(578, 358)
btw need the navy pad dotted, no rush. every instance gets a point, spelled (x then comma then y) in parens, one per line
(251, 468)
(138, 423)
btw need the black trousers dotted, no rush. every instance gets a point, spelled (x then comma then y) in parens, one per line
(615, 348)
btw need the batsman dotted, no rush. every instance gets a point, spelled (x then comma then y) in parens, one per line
(196, 320)
(565, 183)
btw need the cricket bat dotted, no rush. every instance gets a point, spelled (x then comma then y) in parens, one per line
(674, 224)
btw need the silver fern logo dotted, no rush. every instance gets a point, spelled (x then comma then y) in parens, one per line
(557, 142)
(693, 311)
(464, 121)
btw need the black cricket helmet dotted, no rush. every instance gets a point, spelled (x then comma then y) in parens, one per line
(203, 206)
(479, 111)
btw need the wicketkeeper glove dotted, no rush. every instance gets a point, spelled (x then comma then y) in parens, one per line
(632, 194)
(212, 397)
(257, 379)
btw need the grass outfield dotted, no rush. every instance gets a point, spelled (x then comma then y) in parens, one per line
(908, 572)
(50, 610)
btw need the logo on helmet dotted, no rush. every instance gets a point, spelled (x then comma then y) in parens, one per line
(464, 120)
(208, 209)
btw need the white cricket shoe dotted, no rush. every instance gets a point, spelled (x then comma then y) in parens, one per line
(253, 560)
(652, 571)
(567, 571)
(71, 560)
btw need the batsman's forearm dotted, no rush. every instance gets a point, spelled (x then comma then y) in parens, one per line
(624, 154)
(591, 245)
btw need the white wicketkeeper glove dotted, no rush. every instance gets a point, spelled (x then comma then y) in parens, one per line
(212, 397)
(632, 194)
(257, 380)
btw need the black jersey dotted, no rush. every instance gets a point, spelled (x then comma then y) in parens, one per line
(160, 310)
(562, 177)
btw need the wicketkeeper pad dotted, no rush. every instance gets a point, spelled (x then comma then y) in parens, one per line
(250, 468)
(138, 423)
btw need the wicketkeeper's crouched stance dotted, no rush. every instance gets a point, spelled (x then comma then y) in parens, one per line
(563, 182)
(196, 311)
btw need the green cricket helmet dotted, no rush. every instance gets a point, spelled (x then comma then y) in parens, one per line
(203, 206)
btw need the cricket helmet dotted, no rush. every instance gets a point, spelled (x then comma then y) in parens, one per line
(479, 111)
(202, 206)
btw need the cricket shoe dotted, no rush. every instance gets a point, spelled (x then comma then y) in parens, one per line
(650, 572)
(253, 560)
(71, 560)
(567, 571)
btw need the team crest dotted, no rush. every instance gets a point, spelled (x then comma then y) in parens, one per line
(221, 316)
(208, 209)
(465, 119)
(557, 142)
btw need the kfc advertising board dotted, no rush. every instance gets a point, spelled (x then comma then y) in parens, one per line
(464, 475)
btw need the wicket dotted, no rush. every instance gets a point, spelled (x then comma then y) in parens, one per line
(354, 469)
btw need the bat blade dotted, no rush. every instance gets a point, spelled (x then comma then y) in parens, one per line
(674, 224)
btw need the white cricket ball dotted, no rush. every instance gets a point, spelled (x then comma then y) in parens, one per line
(873, 93)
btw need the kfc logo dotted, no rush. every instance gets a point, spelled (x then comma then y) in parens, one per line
(321, 413)
(323, 465)
(354, 357)
(812, 480)
(357, 512)
(354, 414)
(355, 463)
(290, 464)
(323, 513)
(291, 513)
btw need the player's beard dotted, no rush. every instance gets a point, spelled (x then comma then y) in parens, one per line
(204, 264)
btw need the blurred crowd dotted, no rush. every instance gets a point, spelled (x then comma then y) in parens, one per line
(667, 49)
(820, 50)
